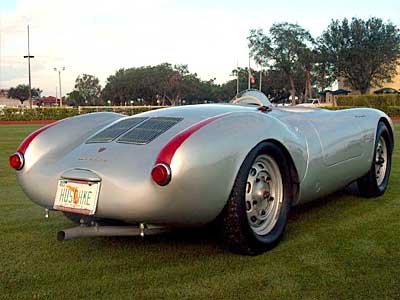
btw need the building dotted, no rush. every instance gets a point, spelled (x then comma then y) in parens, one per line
(47, 101)
(7, 102)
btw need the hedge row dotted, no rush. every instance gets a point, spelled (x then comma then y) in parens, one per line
(23, 114)
(374, 101)
(19, 114)
(392, 111)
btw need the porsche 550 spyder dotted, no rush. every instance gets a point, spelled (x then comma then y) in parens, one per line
(244, 164)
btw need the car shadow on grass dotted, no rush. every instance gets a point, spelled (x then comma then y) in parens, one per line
(325, 203)
(205, 241)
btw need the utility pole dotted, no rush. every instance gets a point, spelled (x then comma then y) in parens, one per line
(260, 78)
(59, 82)
(56, 95)
(29, 56)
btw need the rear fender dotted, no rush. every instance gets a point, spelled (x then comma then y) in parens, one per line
(67, 134)
(205, 167)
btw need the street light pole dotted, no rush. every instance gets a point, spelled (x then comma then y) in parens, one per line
(29, 56)
(59, 82)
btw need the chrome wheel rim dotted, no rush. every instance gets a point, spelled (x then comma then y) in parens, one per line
(380, 161)
(264, 194)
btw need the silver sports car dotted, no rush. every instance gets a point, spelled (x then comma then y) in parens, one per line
(243, 164)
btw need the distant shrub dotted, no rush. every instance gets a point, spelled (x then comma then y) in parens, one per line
(25, 114)
(392, 111)
(373, 101)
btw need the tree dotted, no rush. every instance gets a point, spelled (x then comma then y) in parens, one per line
(307, 59)
(75, 98)
(366, 53)
(323, 71)
(260, 46)
(288, 49)
(87, 89)
(165, 83)
(21, 92)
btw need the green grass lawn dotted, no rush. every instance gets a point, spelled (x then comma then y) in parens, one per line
(342, 247)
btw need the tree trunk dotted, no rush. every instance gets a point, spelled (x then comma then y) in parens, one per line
(292, 90)
(307, 93)
(364, 90)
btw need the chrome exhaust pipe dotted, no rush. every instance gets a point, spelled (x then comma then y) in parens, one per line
(96, 230)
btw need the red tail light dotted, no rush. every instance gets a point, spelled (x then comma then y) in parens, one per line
(168, 152)
(16, 161)
(161, 174)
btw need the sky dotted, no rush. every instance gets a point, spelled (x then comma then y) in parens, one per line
(99, 37)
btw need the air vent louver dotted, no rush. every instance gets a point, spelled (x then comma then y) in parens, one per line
(111, 133)
(148, 130)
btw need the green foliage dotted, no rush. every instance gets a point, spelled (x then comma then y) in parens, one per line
(87, 91)
(392, 111)
(164, 83)
(323, 70)
(21, 92)
(20, 114)
(390, 104)
(122, 110)
(75, 98)
(288, 47)
(374, 101)
(366, 53)
(260, 47)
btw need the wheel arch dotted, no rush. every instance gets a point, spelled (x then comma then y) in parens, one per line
(389, 127)
(295, 180)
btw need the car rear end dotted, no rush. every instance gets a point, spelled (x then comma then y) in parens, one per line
(123, 171)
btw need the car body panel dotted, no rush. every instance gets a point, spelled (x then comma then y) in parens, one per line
(329, 149)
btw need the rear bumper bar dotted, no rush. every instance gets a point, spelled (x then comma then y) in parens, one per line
(96, 230)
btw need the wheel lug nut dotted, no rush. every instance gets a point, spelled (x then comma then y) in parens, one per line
(271, 198)
(263, 212)
(254, 202)
(253, 219)
(248, 205)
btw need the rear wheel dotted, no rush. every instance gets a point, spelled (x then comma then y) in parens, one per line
(375, 182)
(255, 216)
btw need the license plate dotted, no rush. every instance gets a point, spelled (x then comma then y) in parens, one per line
(77, 196)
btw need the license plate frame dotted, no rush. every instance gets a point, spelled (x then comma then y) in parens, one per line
(77, 196)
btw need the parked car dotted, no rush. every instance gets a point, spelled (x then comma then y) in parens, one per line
(310, 103)
(283, 102)
(243, 164)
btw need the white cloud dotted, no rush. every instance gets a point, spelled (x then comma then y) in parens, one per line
(99, 37)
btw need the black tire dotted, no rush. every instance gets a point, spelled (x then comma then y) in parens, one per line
(368, 184)
(236, 232)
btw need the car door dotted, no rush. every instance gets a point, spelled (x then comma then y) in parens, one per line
(340, 137)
